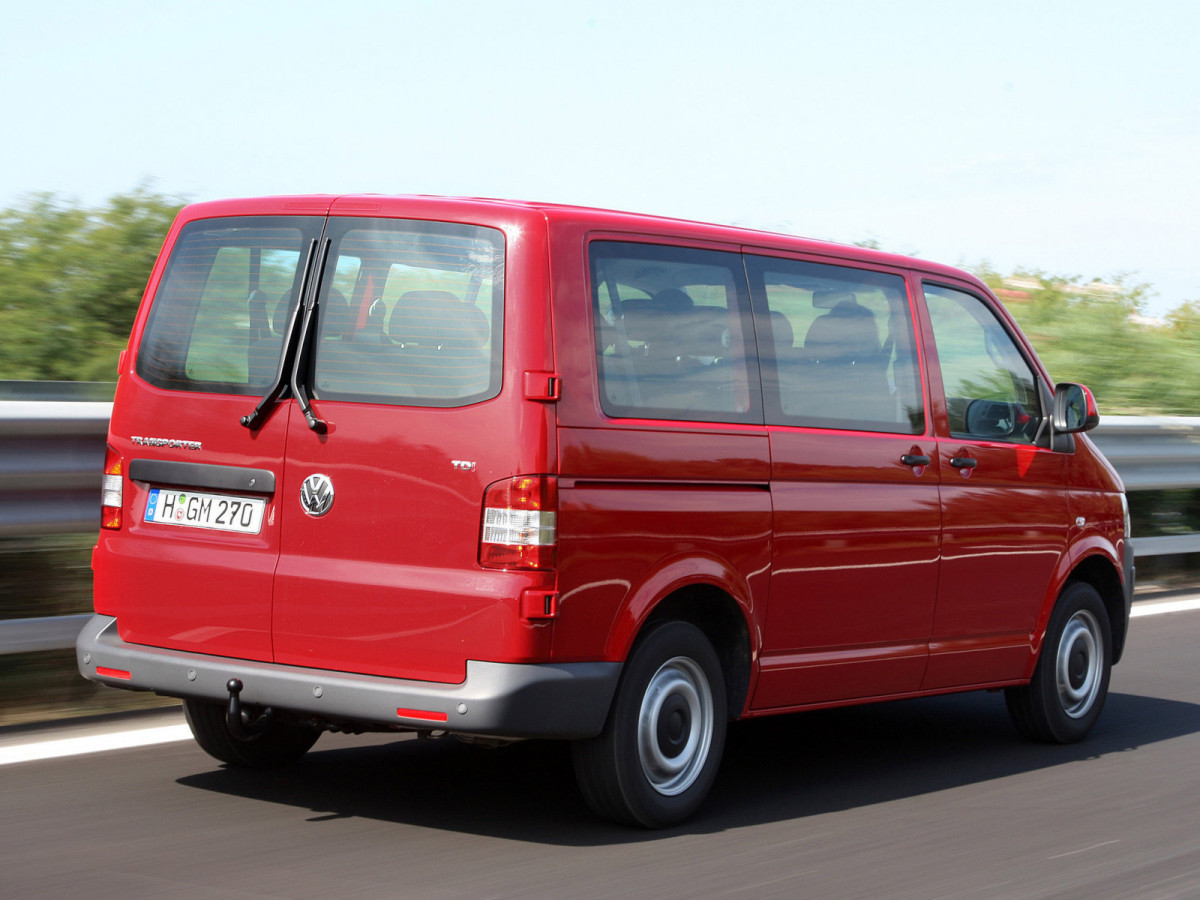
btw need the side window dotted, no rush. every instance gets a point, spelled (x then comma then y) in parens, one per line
(673, 333)
(991, 391)
(838, 347)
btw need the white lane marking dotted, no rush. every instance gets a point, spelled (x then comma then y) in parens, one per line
(1083, 850)
(1164, 606)
(94, 743)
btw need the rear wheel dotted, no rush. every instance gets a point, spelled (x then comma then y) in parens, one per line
(658, 754)
(1070, 683)
(278, 744)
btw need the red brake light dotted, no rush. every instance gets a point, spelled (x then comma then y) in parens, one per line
(112, 490)
(520, 523)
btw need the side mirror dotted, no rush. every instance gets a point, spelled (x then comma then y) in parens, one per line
(1074, 409)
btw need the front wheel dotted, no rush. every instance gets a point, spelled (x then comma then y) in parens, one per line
(278, 744)
(658, 754)
(1064, 699)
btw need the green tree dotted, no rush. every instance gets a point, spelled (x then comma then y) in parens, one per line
(71, 279)
(1091, 333)
(1184, 321)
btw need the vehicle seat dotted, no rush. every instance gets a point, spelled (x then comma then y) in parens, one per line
(437, 320)
(442, 340)
(845, 376)
(336, 318)
(683, 363)
(655, 321)
(263, 354)
(372, 334)
(283, 306)
(783, 337)
(846, 335)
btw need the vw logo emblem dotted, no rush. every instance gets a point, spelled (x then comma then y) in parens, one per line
(316, 494)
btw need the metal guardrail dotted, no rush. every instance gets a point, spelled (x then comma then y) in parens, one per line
(1154, 453)
(48, 633)
(51, 457)
(52, 453)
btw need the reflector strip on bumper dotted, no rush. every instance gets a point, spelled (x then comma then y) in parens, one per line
(425, 715)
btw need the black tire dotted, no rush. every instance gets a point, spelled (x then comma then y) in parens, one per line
(658, 754)
(1070, 683)
(279, 744)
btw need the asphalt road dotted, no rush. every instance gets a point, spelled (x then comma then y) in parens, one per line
(915, 799)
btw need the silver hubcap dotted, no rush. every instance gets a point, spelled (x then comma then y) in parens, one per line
(1079, 663)
(675, 726)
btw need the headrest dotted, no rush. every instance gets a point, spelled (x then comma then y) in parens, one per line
(830, 299)
(672, 300)
(651, 318)
(438, 319)
(845, 333)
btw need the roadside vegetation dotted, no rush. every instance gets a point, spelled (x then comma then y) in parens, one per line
(1096, 333)
(71, 278)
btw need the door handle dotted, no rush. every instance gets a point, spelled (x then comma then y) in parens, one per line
(963, 462)
(912, 459)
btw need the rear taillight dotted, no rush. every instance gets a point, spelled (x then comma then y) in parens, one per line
(112, 490)
(520, 527)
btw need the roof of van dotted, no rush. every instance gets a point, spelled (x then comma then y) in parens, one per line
(606, 218)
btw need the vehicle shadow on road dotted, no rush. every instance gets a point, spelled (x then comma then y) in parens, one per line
(779, 768)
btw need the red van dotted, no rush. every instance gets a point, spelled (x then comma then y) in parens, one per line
(522, 470)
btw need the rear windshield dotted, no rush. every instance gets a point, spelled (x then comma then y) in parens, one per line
(408, 312)
(411, 313)
(218, 316)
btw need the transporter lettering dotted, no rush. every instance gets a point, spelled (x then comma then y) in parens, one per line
(171, 443)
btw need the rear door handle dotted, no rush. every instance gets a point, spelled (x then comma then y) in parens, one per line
(963, 462)
(912, 459)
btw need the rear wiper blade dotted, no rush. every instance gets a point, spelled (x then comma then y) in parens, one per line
(280, 384)
(302, 345)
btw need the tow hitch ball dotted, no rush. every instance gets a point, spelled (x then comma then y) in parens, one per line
(242, 725)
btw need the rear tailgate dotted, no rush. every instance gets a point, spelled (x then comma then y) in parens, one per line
(192, 563)
(416, 378)
(190, 582)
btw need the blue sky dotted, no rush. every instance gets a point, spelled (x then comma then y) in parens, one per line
(1060, 136)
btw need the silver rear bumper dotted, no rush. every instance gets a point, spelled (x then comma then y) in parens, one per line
(569, 700)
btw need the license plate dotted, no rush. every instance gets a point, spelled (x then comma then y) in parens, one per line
(193, 509)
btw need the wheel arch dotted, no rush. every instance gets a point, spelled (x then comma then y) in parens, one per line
(1101, 574)
(709, 593)
(721, 619)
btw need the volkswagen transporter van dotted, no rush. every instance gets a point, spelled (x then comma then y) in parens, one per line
(515, 470)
